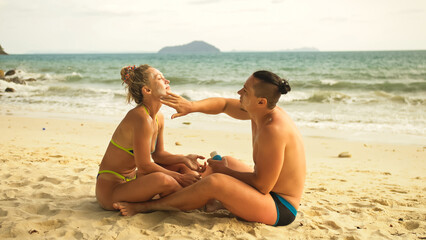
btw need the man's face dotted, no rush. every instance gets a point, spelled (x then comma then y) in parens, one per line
(247, 97)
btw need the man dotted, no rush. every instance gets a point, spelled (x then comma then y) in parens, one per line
(271, 192)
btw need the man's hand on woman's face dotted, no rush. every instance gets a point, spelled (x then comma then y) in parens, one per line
(180, 104)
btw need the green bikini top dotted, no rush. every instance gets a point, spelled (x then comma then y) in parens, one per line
(130, 150)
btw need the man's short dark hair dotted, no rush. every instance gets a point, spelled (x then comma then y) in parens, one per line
(270, 86)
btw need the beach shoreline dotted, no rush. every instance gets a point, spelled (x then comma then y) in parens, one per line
(49, 168)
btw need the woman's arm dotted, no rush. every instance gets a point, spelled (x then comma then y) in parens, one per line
(142, 145)
(165, 158)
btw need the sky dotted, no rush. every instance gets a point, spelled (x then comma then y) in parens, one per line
(106, 26)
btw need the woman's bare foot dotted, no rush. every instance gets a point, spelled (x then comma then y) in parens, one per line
(126, 209)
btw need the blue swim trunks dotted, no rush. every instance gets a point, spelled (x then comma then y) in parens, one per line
(286, 213)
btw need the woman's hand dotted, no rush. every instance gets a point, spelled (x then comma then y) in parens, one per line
(186, 179)
(218, 166)
(177, 102)
(190, 161)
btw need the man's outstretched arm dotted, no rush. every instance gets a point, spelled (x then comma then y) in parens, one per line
(207, 106)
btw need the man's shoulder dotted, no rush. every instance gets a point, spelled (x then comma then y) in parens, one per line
(280, 125)
(273, 129)
(278, 121)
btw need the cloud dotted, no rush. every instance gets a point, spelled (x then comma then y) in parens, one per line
(110, 9)
(199, 2)
(410, 11)
(249, 10)
(110, 12)
(334, 19)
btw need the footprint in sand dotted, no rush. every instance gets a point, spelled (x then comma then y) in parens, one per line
(320, 189)
(78, 235)
(340, 180)
(88, 205)
(42, 195)
(333, 225)
(398, 191)
(48, 179)
(20, 183)
(51, 224)
(3, 213)
(383, 202)
(106, 221)
(38, 186)
(350, 238)
(73, 178)
(316, 211)
(75, 234)
(6, 176)
(313, 213)
(377, 209)
(355, 210)
(69, 190)
(9, 194)
(361, 205)
(331, 209)
(77, 170)
(43, 209)
(411, 225)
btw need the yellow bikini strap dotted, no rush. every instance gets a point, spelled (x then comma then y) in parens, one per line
(118, 175)
(122, 148)
(146, 109)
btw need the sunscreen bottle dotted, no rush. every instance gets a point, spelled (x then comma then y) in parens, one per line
(215, 156)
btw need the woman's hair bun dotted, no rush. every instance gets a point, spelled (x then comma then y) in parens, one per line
(125, 73)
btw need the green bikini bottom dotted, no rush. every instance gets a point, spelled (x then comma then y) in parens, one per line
(117, 174)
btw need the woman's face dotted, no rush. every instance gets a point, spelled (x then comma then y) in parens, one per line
(159, 84)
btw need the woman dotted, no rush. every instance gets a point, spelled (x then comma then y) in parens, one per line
(126, 172)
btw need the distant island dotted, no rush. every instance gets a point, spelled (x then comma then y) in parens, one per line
(193, 47)
(2, 52)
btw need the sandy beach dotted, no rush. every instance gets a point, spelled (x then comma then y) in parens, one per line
(49, 169)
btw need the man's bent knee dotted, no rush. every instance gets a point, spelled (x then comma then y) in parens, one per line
(214, 181)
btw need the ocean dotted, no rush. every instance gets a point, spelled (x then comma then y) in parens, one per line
(358, 92)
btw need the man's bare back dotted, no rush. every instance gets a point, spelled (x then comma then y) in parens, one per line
(291, 179)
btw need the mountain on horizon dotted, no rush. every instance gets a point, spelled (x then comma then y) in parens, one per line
(192, 47)
(2, 52)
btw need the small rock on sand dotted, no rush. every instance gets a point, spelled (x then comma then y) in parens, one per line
(345, 155)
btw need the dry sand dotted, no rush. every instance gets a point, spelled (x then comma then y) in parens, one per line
(48, 183)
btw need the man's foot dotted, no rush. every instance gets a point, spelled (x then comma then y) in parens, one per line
(213, 205)
(127, 209)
